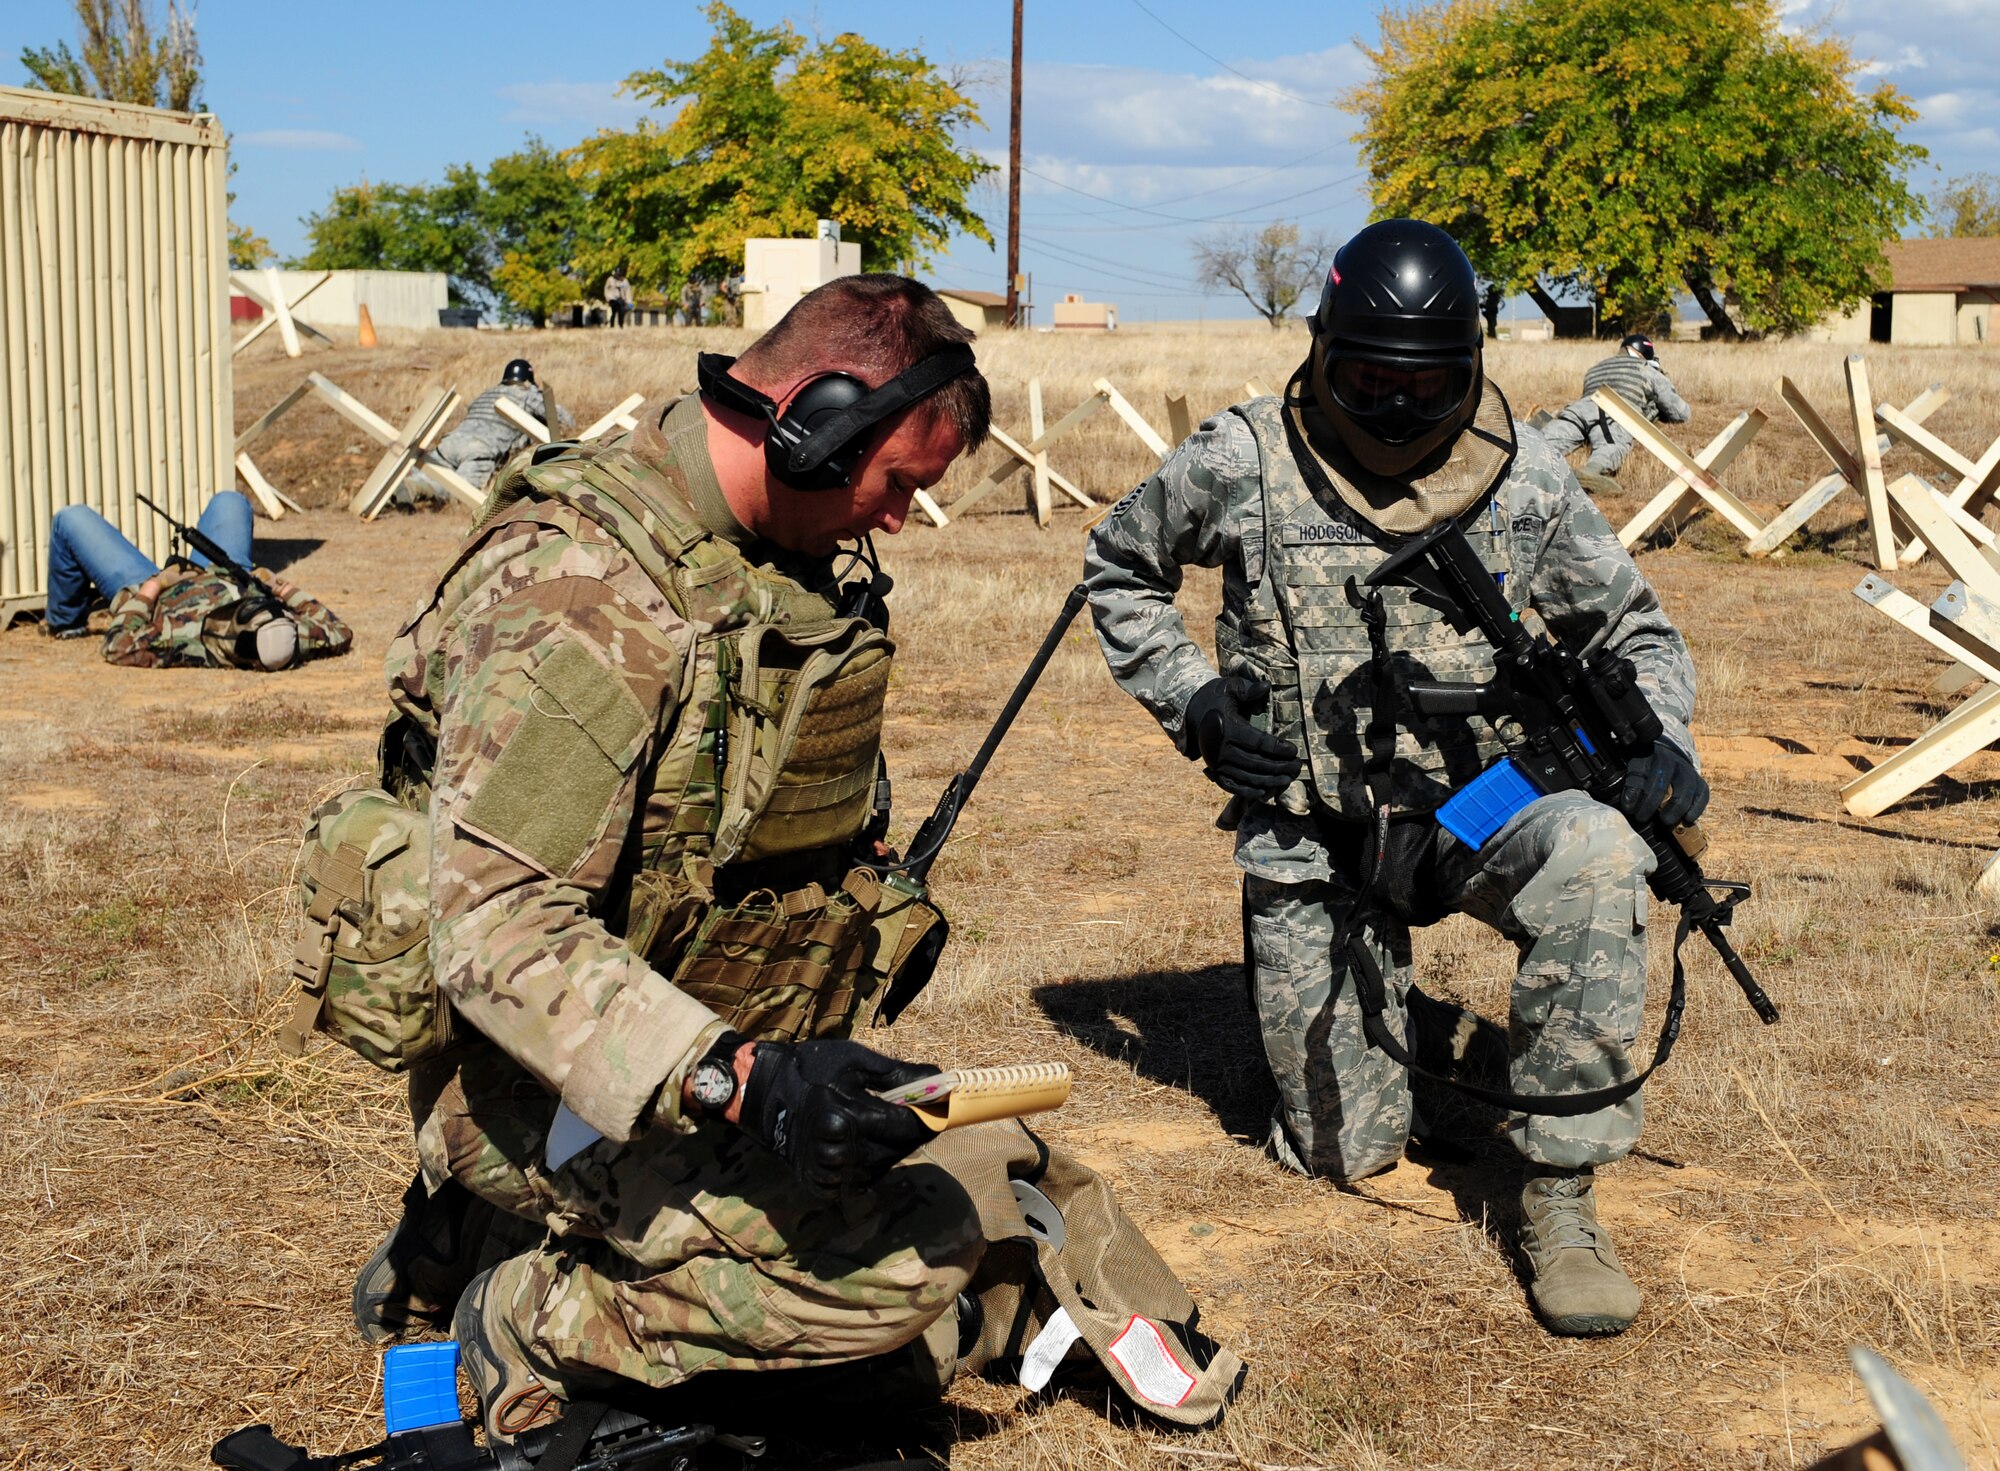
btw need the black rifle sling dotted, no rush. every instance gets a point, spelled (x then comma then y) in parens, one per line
(1373, 994)
(572, 1437)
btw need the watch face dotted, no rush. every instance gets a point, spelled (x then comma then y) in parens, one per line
(713, 1085)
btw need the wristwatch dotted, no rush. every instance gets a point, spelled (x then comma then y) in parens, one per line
(713, 1081)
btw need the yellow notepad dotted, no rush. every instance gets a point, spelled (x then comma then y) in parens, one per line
(979, 1095)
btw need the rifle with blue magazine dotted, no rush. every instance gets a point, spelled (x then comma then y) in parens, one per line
(1582, 720)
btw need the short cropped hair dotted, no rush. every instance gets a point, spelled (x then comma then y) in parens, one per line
(872, 326)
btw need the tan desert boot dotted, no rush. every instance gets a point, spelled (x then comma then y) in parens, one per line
(1578, 1286)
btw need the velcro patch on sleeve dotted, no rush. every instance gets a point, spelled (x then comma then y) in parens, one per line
(1143, 1352)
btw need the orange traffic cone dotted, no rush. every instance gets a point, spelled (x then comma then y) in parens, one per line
(367, 327)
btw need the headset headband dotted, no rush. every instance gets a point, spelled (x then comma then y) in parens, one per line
(841, 428)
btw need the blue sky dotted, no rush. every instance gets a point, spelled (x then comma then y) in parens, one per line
(1146, 122)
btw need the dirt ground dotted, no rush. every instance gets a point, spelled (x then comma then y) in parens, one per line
(185, 1207)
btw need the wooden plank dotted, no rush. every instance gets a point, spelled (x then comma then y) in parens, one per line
(1039, 441)
(620, 417)
(1882, 542)
(1968, 730)
(1800, 511)
(1039, 481)
(1972, 622)
(1899, 607)
(237, 282)
(287, 333)
(1255, 389)
(401, 457)
(1678, 460)
(998, 475)
(521, 419)
(261, 490)
(271, 416)
(1808, 416)
(1180, 424)
(437, 469)
(1148, 436)
(353, 409)
(1678, 496)
(1929, 515)
(930, 507)
(1920, 439)
(1955, 680)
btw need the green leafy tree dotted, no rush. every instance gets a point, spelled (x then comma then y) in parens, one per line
(407, 227)
(777, 132)
(1270, 269)
(1636, 152)
(1968, 206)
(537, 221)
(125, 58)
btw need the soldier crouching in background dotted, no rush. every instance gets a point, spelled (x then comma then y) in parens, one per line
(1389, 428)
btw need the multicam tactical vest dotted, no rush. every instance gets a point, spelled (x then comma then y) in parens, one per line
(1299, 631)
(745, 898)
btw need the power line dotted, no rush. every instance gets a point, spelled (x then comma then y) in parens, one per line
(1084, 258)
(1254, 81)
(1227, 218)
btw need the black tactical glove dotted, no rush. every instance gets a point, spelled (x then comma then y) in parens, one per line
(1241, 759)
(812, 1104)
(1662, 781)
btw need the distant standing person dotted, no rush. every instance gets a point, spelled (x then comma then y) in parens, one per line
(691, 302)
(188, 613)
(483, 439)
(618, 296)
(1636, 376)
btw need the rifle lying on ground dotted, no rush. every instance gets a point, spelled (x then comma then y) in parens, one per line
(908, 876)
(194, 539)
(1583, 719)
(420, 1406)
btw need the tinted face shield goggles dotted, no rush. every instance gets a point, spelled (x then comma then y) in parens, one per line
(1399, 397)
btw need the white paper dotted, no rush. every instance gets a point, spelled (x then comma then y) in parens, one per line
(569, 1136)
(1142, 1352)
(1040, 1361)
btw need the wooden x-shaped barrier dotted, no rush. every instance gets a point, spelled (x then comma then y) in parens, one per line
(1695, 483)
(1034, 455)
(1964, 623)
(278, 311)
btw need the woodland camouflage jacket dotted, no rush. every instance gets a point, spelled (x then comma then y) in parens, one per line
(168, 630)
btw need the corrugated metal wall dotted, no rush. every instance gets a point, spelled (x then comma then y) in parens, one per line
(114, 322)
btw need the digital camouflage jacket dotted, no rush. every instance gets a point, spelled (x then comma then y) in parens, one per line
(1208, 505)
(169, 630)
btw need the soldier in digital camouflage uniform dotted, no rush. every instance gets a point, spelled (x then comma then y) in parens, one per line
(565, 696)
(187, 613)
(483, 439)
(1635, 375)
(1389, 427)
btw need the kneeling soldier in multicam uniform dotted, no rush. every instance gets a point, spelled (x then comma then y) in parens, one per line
(1389, 427)
(647, 731)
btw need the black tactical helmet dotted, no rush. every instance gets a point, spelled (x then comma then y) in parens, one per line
(1396, 344)
(518, 371)
(1638, 342)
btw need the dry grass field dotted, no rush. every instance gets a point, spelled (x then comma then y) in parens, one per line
(184, 1207)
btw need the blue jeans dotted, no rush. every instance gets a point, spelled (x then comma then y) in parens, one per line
(88, 555)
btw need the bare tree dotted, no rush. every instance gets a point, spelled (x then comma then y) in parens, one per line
(1272, 268)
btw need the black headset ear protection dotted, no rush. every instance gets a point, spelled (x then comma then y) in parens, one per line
(821, 435)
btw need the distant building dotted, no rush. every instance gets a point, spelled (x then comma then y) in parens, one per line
(400, 299)
(776, 273)
(1940, 292)
(975, 310)
(1074, 314)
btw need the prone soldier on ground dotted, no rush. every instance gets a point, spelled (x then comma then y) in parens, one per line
(1636, 375)
(208, 607)
(1389, 428)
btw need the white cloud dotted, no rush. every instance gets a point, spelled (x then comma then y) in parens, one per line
(299, 140)
(1910, 59)
(591, 104)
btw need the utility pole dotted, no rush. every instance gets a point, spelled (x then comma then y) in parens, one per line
(1014, 183)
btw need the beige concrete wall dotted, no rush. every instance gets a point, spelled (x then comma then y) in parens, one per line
(776, 273)
(1924, 318)
(973, 316)
(1849, 327)
(114, 322)
(1978, 318)
(395, 299)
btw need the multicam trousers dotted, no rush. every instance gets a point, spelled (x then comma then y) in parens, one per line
(677, 1254)
(1565, 879)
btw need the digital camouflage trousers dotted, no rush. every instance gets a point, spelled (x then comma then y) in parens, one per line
(682, 1253)
(1565, 879)
(1610, 442)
